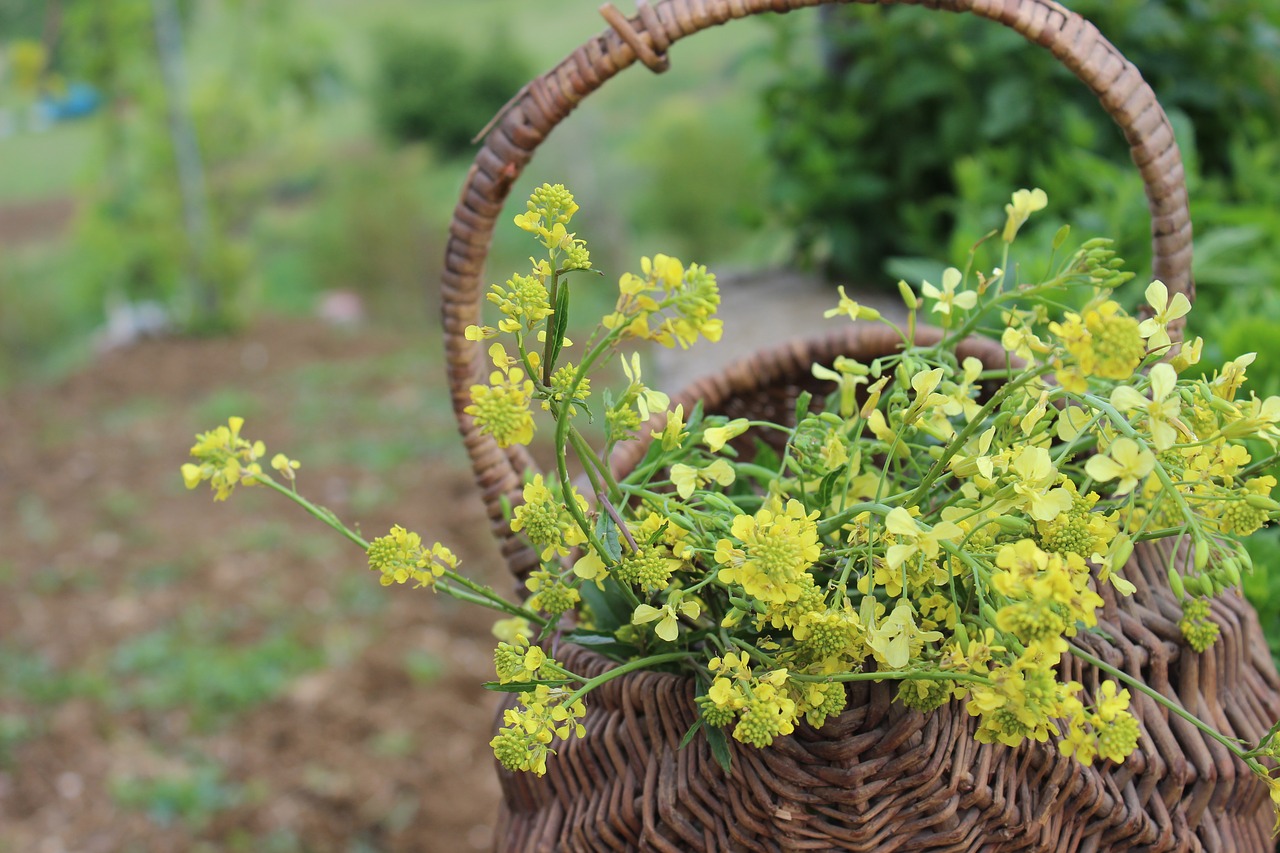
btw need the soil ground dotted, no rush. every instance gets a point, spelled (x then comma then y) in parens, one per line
(179, 674)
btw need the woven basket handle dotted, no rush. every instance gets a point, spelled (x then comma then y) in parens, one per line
(530, 116)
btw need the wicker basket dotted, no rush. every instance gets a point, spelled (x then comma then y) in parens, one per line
(879, 777)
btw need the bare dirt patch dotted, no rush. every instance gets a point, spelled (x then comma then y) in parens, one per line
(177, 674)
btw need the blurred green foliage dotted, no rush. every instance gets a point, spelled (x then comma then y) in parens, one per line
(432, 89)
(135, 238)
(193, 794)
(913, 120)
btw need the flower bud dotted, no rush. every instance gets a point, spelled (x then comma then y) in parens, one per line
(908, 296)
(1175, 583)
(1201, 558)
(1121, 550)
(1262, 502)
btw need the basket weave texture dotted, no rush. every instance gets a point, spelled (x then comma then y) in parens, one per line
(879, 777)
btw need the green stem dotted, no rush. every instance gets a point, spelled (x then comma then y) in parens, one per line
(630, 666)
(319, 512)
(475, 594)
(590, 460)
(970, 429)
(835, 522)
(1169, 705)
(486, 596)
(936, 675)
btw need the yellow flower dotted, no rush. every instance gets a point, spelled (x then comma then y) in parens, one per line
(1162, 409)
(285, 465)
(590, 567)
(896, 640)
(1125, 461)
(851, 309)
(673, 433)
(1036, 475)
(1155, 328)
(1022, 342)
(849, 374)
(1228, 381)
(687, 478)
(1025, 203)
(664, 270)
(717, 437)
(646, 399)
(667, 615)
(1188, 354)
(913, 539)
(778, 546)
(507, 630)
(947, 298)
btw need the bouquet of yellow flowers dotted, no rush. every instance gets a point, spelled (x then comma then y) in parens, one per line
(947, 523)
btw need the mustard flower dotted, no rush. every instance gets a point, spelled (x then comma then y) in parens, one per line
(673, 434)
(897, 639)
(1125, 461)
(717, 437)
(1025, 203)
(1156, 328)
(1162, 409)
(848, 375)
(1036, 476)
(851, 309)
(226, 460)
(914, 539)
(667, 615)
(687, 478)
(646, 399)
(947, 298)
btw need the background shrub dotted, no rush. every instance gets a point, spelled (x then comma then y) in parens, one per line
(912, 120)
(431, 89)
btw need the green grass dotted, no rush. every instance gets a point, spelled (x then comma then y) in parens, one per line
(52, 163)
(192, 796)
(195, 666)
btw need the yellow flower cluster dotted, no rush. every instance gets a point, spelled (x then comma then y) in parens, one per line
(501, 408)
(225, 460)
(945, 522)
(667, 303)
(400, 557)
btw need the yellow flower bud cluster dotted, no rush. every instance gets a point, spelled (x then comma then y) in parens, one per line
(225, 459)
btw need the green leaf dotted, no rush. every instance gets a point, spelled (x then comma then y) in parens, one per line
(688, 736)
(720, 748)
(608, 606)
(604, 643)
(765, 456)
(559, 323)
(522, 686)
(828, 485)
(607, 531)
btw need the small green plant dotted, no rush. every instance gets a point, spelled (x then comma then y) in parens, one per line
(193, 796)
(914, 529)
